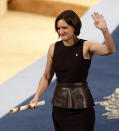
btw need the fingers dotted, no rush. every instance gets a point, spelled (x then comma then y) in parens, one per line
(33, 104)
(101, 16)
(93, 17)
(96, 15)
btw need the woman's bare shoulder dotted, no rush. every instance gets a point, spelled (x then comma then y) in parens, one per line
(51, 49)
(89, 42)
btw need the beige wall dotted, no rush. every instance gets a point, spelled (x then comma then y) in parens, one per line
(46, 7)
(3, 7)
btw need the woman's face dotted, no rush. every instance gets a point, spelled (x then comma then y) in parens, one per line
(65, 31)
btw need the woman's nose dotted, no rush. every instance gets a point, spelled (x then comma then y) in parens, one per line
(61, 31)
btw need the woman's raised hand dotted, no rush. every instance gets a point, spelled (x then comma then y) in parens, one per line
(99, 21)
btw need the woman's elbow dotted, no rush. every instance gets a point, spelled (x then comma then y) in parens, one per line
(110, 51)
(113, 51)
(47, 77)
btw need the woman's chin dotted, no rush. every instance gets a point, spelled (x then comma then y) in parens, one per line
(64, 38)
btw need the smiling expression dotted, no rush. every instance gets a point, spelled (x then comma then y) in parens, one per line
(64, 30)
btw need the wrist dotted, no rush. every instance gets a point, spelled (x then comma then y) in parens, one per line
(104, 30)
(36, 97)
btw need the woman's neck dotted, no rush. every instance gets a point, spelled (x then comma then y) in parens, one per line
(70, 42)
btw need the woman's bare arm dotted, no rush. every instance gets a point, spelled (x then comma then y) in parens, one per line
(46, 78)
(109, 46)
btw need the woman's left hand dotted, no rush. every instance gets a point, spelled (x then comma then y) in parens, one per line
(99, 21)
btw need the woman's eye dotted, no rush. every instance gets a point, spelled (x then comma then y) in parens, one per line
(64, 27)
(58, 28)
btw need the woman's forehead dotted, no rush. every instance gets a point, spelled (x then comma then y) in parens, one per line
(62, 22)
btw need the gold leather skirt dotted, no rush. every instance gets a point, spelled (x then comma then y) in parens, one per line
(72, 96)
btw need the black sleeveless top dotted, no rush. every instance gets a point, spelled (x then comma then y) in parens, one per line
(69, 64)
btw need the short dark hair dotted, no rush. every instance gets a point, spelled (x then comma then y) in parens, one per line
(71, 19)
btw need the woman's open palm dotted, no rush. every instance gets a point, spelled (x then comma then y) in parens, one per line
(99, 21)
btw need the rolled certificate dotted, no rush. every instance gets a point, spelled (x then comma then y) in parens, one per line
(26, 107)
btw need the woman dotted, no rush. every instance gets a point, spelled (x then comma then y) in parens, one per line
(70, 59)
